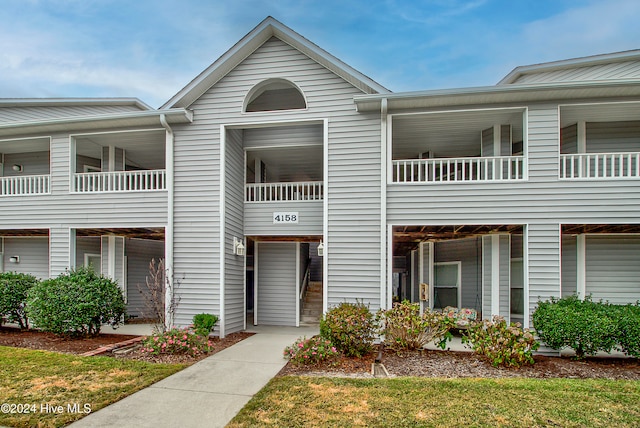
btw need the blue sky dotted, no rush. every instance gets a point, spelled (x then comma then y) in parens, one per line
(150, 49)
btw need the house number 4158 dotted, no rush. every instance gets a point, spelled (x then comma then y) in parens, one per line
(289, 217)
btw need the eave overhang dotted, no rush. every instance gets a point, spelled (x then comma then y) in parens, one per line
(102, 121)
(499, 95)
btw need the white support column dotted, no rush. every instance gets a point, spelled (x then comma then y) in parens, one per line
(582, 136)
(495, 274)
(497, 140)
(72, 248)
(581, 266)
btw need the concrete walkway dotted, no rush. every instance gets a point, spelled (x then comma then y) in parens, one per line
(209, 393)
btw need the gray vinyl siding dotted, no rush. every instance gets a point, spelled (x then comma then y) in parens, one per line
(259, 218)
(33, 253)
(618, 70)
(544, 263)
(569, 266)
(28, 114)
(352, 185)
(467, 251)
(139, 253)
(289, 136)
(613, 268)
(277, 283)
(33, 163)
(613, 137)
(234, 292)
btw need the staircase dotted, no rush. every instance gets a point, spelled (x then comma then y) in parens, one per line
(312, 304)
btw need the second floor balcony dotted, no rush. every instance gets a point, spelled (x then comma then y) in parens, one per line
(284, 192)
(459, 170)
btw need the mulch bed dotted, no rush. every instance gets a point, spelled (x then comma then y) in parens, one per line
(32, 339)
(453, 364)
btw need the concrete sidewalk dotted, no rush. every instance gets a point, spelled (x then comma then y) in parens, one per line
(209, 393)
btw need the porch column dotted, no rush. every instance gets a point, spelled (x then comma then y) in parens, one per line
(581, 265)
(496, 276)
(112, 260)
(426, 259)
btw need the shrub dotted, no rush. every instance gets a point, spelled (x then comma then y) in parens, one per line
(350, 327)
(203, 324)
(404, 328)
(310, 351)
(176, 341)
(628, 320)
(504, 345)
(13, 297)
(76, 303)
(585, 326)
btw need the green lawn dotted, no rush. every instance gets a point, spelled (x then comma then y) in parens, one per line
(45, 386)
(419, 402)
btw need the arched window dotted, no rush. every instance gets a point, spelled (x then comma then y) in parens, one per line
(274, 94)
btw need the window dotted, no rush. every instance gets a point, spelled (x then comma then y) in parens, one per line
(446, 288)
(274, 94)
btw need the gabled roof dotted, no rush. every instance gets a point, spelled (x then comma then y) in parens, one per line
(268, 28)
(587, 61)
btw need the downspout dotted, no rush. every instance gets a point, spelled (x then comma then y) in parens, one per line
(168, 236)
(385, 296)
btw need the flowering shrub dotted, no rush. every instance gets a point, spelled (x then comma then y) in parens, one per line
(350, 327)
(310, 351)
(504, 345)
(176, 341)
(404, 328)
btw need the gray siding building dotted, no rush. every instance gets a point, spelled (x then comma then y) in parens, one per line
(280, 166)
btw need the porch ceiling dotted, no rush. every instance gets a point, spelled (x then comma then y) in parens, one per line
(154, 233)
(574, 229)
(449, 134)
(407, 238)
(144, 149)
(24, 232)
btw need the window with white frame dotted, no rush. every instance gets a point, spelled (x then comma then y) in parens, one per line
(447, 284)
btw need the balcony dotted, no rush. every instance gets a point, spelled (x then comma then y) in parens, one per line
(284, 192)
(459, 170)
(25, 185)
(598, 166)
(120, 181)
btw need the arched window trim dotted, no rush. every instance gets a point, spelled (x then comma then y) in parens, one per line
(261, 86)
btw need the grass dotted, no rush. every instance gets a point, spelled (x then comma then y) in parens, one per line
(45, 380)
(293, 401)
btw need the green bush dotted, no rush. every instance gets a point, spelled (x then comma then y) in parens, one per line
(404, 328)
(504, 345)
(203, 324)
(350, 327)
(628, 320)
(176, 341)
(310, 351)
(13, 297)
(585, 326)
(76, 303)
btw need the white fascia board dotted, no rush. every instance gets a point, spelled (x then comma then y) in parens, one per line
(500, 94)
(66, 102)
(141, 118)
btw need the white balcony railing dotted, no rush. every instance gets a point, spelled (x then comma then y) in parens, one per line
(600, 166)
(25, 185)
(120, 181)
(454, 170)
(278, 192)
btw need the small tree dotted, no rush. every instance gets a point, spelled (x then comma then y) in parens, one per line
(158, 283)
(76, 303)
(13, 297)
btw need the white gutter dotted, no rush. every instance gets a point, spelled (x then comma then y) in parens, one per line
(168, 236)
